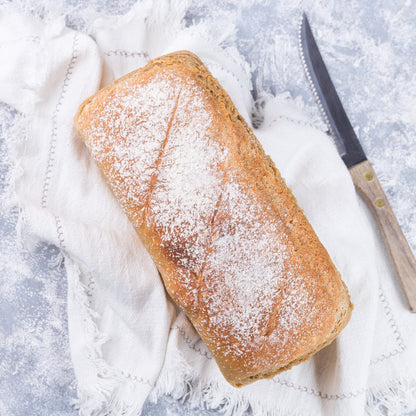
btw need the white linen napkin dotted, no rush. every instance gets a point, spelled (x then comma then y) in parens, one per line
(128, 341)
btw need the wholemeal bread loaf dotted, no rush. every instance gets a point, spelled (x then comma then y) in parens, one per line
(234, 250)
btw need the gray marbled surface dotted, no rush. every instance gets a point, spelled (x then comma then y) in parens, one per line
(370, 49)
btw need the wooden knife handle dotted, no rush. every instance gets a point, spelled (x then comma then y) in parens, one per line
(401, 256)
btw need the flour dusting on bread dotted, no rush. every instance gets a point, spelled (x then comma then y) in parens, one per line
(233, 248)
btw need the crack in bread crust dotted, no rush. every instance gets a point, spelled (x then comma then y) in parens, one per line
(153, 179)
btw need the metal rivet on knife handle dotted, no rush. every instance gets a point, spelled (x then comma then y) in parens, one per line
(379, 202)
(368, 176)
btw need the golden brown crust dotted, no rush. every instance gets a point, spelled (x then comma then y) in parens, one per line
(235, 251)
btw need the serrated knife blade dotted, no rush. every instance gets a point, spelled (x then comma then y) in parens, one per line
(362, 173)
(327, 97)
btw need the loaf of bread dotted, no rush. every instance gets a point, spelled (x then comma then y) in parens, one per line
(234, 250)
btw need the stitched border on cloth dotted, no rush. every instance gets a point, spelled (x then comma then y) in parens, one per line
(127, 54)
(389, 314)
(52, 145)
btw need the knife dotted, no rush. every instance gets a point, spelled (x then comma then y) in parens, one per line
(363, 175)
